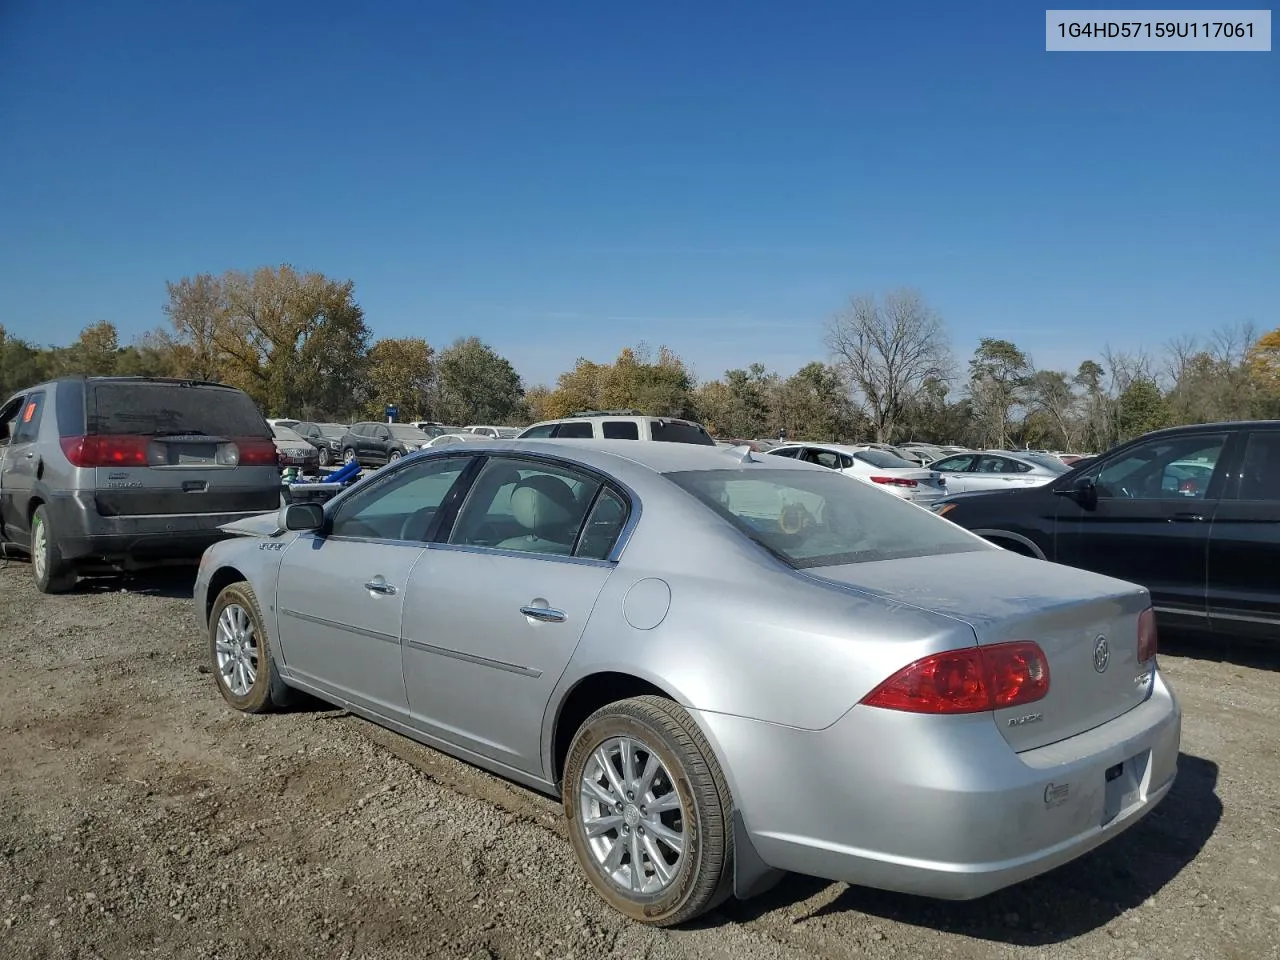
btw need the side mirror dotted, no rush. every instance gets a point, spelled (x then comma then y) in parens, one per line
(302, 517)
(1082, 490)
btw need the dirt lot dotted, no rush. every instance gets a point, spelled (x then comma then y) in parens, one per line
(140, 817)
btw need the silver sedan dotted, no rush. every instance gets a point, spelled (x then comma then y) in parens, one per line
(728, 665)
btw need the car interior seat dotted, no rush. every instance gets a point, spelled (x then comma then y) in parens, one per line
(548, 511)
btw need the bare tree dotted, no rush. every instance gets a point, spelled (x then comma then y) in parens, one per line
(888, 350)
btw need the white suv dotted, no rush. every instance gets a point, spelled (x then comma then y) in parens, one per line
(620, 425)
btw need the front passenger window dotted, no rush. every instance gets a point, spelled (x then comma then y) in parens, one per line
(401, 507)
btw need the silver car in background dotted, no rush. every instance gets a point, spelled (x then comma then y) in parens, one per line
(728, 665)
(976, 471)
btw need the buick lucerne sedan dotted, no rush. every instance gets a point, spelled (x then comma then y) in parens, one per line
(727, 665)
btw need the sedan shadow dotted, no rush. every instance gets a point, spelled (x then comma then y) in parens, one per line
(1075, 899)
(175, 583)
(1217, 648)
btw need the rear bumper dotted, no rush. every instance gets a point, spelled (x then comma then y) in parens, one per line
(944, 810)
(84, 535)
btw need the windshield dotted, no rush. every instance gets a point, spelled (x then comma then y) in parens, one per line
(285, 433)
(810, 518)
(406, 431)
(878, 458)
(1047, 460)
(335, 430)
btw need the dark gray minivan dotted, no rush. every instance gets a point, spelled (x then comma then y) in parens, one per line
(103, 474)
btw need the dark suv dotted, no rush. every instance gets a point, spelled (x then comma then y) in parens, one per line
(1192, 513)
(375, 444)
(113, 473)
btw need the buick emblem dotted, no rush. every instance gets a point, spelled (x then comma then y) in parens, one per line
(1101, 655)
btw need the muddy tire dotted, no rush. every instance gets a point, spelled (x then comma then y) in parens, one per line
(240, 653)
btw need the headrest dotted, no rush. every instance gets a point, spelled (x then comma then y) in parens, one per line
(542, 502)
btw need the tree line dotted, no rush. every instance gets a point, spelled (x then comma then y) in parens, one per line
(299, 344)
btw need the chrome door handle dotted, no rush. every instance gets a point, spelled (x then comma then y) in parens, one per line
(545, 614)
(380, 585)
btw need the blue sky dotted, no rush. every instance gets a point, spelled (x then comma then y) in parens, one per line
(564, 179)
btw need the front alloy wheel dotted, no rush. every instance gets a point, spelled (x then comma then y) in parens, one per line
(324, 457)
(649, 811)
(242, 664)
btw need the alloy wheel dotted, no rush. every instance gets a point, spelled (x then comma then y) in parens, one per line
(236, 650)
(632, 816)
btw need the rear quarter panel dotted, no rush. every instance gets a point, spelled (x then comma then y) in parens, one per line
(744, 635)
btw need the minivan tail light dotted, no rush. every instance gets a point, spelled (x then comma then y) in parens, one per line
(110, 451)
(1148, 641)
(895, 481)
(972, 680)
(257, 452)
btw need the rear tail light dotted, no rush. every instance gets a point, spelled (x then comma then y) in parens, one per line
(1147, 639)
(114, 451)
(257, 452)
(895, 481)
(973, 680)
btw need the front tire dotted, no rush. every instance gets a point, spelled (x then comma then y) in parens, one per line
(240, 653)
(51, 573)
(325, 457)
(649, 811)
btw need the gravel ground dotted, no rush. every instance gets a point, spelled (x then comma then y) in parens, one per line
(141, 817)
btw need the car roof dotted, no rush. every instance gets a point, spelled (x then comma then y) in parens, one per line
(624, 456)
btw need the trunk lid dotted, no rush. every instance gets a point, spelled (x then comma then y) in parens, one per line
(1004, 597)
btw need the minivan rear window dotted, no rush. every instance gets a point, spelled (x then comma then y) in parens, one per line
(148, 408)
(672, 431)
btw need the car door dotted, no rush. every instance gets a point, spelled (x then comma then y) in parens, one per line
(957, 470)
(13, 453)
(1003, 473)
(341, 592)
(496, 609)
(1243, 591)
(1143, 527)
(21, 463)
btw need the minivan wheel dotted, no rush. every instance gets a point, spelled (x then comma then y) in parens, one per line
(348, 455)
(325, 457)
(243, 667)
(52, 574)
(649, 811)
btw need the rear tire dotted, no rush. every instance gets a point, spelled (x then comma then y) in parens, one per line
(686, 801)
(51, 573)
(348, 455)
(240, 653)
(394, 456)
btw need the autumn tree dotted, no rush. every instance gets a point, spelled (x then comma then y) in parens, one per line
(1263, 364)
(814, 404)
(476, 385)
(295, 342)
(1140, 409)
(888, 350)
(399, 372)
(21, 364)
(660, 386)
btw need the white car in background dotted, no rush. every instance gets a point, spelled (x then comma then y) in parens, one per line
(495, 433)
(900, 477)
(998, 470)
(454, 439)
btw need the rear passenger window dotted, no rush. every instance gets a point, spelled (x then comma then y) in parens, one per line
(536, 433)
(575, 430)
(603, 527)
(28, 425)
(1260, 471)
(621, 430)
(679, 431)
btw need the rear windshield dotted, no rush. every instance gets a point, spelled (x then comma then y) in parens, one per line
(878, 458)
(673, 431)
(153, 409)
(286, 433)
(1048, 461)
(817, 518)
(406, 431)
